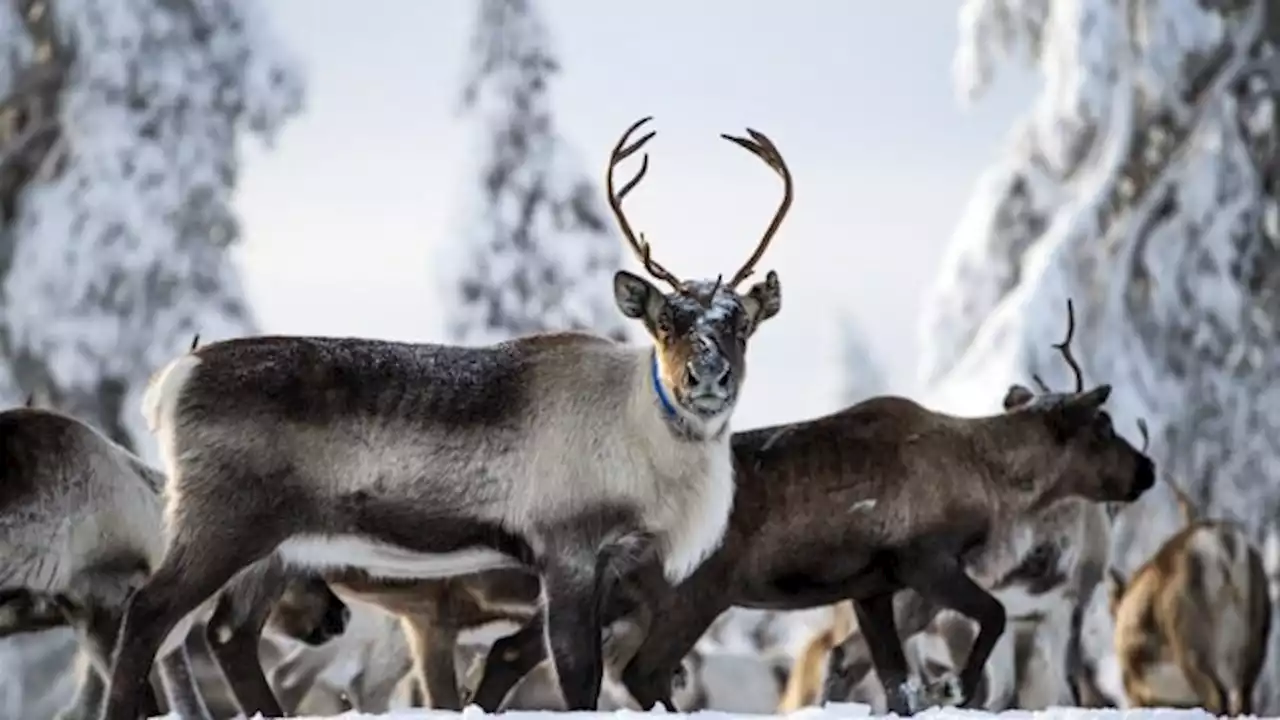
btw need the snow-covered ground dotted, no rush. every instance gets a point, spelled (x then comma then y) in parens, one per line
(834, 711)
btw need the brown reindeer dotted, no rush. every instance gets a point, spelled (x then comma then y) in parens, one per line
(434, 612)
(1192, 624)
(861, 504)
(1042, 567)
(423, 461)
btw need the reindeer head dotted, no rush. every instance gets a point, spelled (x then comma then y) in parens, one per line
(308, 611)
(700, 328)
(1080, 454)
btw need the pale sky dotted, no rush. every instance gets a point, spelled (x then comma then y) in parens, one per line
(344, 217)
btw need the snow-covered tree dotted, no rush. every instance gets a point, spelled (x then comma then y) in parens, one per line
(861, 373)
(537, 251)
(118, 128)
(1142, 184)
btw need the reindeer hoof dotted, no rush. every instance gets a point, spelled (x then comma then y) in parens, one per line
(911, 698)
(947, 691)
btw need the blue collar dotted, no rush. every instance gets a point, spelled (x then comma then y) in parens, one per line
(663, 399)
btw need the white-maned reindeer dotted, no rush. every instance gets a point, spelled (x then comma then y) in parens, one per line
(424, 460)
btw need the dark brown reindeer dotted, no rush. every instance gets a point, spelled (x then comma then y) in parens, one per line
(861, 504)
(80, 528)
(422, 460)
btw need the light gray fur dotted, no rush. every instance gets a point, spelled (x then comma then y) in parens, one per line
(595, 409)
(80, 520)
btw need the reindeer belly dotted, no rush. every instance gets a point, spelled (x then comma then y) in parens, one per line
(382, 559)
(1166, 682)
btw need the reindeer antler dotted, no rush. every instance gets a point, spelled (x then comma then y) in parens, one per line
(763, 148)
(1064, 347)
(621, 152)
(1146, 436)
(195, 342)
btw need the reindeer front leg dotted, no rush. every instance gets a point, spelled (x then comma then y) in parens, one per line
(945, 582)
(903, 694)
(571, 589)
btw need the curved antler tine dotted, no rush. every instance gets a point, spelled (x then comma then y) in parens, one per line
(1040, 383)
(195, 342)
(1146, 436)
(1064, 347)
(762, 147)
(621, 151)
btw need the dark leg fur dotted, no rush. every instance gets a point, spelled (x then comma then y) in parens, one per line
(946, 583)
(234, 633)
(203, 555)
(509, 660)
(879, 629)
(179, 682)
(570, 583)
(630, 579)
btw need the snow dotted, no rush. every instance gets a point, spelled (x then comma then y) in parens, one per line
(831, 711)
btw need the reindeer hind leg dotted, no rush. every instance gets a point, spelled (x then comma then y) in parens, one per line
(211, 540)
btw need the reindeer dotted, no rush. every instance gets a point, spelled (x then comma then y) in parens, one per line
(80, 527)
(1042, 567)
(805, 681)
(434, 613)
(1192, 624)
(422, 460)
(921, 492)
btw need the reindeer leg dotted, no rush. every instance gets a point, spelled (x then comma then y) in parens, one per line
(571, 588)
(510, 659)
(234, 635)
(91, 690)
(179, 681)
(946, 583)
(880, 630)
(433, 647)
(204, 553)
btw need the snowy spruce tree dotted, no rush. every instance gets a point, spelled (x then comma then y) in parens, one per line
(118, 128)
(537, 251)
(1142, 184)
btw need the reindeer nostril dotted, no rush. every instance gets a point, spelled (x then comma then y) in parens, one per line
(724, 378)
(691, 375)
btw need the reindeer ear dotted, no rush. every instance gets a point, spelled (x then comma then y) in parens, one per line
(1091, 400)
(763, 300)
(1017, 396)
(636, 297)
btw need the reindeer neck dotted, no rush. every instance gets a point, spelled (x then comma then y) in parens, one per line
(666, 408)
(656, 400)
